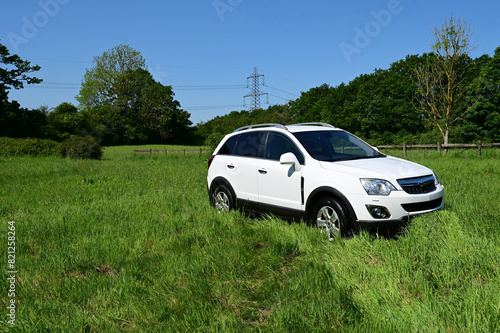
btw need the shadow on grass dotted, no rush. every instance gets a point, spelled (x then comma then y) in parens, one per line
(387, 230)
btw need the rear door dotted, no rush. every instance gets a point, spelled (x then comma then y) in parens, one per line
(241, 166)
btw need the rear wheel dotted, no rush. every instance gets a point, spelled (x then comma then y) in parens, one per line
(222, 199)
(330, 216)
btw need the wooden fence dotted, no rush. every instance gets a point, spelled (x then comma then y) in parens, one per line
(443, 147)
(439, 146)
(151, 151)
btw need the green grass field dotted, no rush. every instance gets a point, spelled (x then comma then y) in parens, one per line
(130, 243)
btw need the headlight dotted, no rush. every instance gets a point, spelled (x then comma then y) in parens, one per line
(377, 186)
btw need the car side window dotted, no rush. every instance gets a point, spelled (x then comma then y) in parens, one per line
(249, 144)
(278, 145)
(228, 146)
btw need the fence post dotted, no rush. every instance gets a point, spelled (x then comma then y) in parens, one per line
(200, 151)
(439, 148)
(151, 152)
(479, 146)
(404, 149)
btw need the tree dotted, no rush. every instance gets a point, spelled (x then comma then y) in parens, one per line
(14, 120)
(106, 83)
(15, 73)
(64, 121)
(125, 104)
(482, 122)
(443, 82)
(310, 105)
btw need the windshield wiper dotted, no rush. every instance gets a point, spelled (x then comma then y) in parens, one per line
(351, 158)
(359, 157)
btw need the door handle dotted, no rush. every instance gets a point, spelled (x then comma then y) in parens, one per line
(262, 171)
(230, 166)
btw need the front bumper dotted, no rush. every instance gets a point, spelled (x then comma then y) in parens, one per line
(400, 205)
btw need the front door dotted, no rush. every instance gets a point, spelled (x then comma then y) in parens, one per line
(279, 185)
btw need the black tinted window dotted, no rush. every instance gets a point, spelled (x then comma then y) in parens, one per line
(248, 144)
(278, 145)
(228, 147)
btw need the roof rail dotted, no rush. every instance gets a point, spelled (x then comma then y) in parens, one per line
(314, 124)
(260, 125)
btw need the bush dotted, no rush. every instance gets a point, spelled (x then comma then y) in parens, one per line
(32, 147)
(79, 147)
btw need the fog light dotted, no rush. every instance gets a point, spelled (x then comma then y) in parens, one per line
(378, 212)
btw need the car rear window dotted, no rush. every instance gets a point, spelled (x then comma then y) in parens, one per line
(228, 146)
(245, 144)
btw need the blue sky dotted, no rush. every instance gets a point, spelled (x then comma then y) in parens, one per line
(206, 49)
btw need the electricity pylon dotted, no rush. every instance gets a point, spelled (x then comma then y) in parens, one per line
(255, 93)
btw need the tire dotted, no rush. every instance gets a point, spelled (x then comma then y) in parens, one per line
(222, 199)
(331, 217)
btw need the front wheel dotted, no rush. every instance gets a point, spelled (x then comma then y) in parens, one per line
(330, 216)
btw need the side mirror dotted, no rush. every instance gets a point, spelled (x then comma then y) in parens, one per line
(289, 158)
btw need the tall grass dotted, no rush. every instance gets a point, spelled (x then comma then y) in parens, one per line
(130, 243)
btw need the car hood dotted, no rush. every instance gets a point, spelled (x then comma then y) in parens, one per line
(389, 168)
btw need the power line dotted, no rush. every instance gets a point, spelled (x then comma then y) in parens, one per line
(211, 107)
(286, 99)
(221, 87)
(284, 78)
(282, 91)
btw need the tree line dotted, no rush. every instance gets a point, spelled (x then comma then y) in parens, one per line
(382, 107)
(434, 97)
(119, 103)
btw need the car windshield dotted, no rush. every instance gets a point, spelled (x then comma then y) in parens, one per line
(331, 146)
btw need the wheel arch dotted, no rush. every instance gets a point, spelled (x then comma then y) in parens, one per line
(326, 191)
(221, 181)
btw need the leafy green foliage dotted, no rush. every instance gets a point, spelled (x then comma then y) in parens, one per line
(14, 120)
(124, 104)
(15, 73)
(64, 121)
(80, 147)
(482, 122)
(31, 147)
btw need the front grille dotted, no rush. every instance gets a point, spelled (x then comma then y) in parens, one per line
(418, 185)
(422, 206)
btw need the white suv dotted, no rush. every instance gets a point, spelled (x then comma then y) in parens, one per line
(318, 173)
